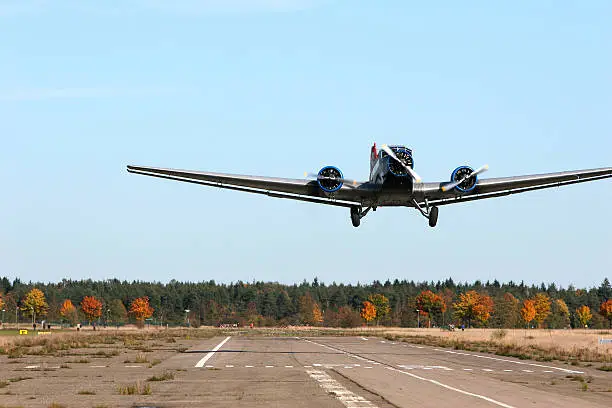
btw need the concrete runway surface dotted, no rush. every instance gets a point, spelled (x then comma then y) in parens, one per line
(371, 372)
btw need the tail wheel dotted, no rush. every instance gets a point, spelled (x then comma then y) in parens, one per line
(433, 216)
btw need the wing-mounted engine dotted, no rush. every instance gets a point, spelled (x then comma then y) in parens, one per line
(330, 179)
(462, 175)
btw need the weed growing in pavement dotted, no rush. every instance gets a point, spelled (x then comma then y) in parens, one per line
(154, 363)
(135, 389)
(79, 361)
(167, 375)
(17, 379)
(605, 368)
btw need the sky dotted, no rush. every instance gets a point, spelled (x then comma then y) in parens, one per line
(281, 87)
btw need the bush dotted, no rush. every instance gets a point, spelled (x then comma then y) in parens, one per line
(499, 334)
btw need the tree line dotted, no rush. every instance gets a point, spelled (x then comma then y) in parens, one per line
(398, 303)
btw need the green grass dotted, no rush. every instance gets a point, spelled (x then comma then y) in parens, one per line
(31, 333)
(17, 379)
(605, 368)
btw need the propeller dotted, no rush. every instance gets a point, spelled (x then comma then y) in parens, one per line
(391, 153)
(450, 186)
(316, 176)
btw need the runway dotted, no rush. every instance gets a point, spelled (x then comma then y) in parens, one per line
(371, 372)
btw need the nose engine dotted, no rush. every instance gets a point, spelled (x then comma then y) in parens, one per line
(330, 179)
(396, 168)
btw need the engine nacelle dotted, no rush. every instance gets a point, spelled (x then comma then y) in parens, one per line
(330, 179)
(468, 185)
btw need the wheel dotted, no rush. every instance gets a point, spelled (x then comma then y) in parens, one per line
(433, 216)
(355, 217)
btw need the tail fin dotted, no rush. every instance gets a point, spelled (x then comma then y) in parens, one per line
(373, 156)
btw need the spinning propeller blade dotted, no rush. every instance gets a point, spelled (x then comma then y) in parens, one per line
(450, 186)
(315, 176)
(391, 153)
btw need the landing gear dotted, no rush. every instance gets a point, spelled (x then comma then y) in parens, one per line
(355, 218)
(433, 216)
(431, 213)
(357, 214)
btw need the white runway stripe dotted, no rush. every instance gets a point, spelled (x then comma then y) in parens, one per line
(212, 353)
(331, 386)
(448, 387)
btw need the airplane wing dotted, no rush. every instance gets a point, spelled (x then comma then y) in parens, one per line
(295, 189)
(498, 187)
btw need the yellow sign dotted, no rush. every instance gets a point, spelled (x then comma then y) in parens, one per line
(43, 332)
(23, 332)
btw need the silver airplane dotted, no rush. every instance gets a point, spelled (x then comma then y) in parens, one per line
(393, 183)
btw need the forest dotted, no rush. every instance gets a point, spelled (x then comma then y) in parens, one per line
(398, 303)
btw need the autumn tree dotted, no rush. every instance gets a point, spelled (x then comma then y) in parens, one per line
(606, 311)
(528, 311)
(34, 304)
(583, 313)
(1, 301)
(68, 311)
(473, 306)
(541, 303)
(368, 311)
(91, 308)
(431, 303)
(140, 309)
(560, 314)
(317, 316)
(381, 304)
(309, 310)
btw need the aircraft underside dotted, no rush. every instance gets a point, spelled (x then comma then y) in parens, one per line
(392, 183)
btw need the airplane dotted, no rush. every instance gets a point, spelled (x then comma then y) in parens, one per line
(393, 182)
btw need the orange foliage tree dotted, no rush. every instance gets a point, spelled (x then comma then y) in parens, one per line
(91, 307)
(584, 315)
(317, 316)
(141, 309)
(68, 311)
(541, 303)
(473, 306)
(528, 311)
(368, 311)
(429, 302)
(381, 304)
(1, 301)
(606, 311)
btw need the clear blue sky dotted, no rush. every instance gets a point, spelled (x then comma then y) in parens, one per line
(277, 88)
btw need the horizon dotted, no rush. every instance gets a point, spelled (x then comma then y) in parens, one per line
(316, 281)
